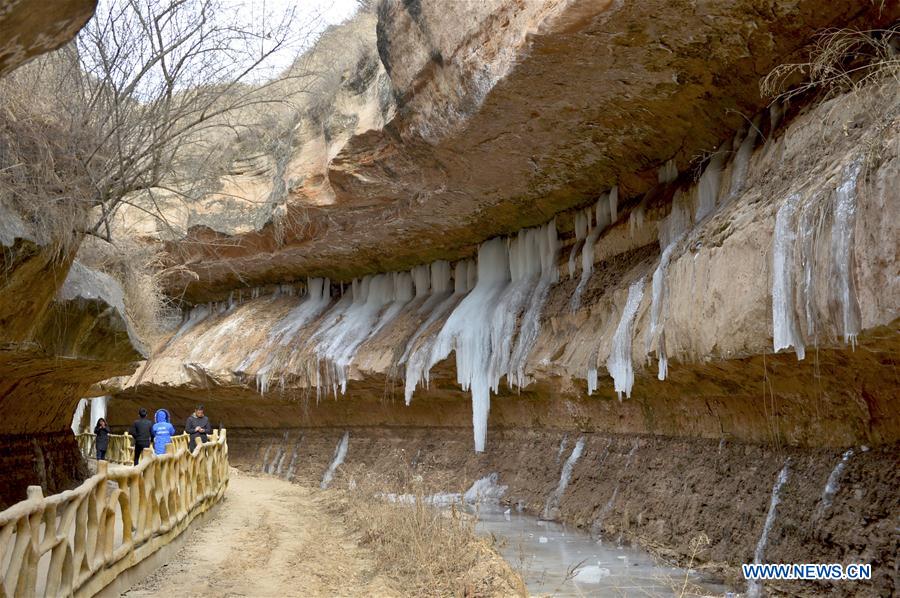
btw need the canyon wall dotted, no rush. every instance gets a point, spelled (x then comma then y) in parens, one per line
(509, 228)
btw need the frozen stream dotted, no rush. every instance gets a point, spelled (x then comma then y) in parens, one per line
(546, 553)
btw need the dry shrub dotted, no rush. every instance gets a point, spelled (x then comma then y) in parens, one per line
(424, 550)
(841, 60)
(41, 176)
(135, 265)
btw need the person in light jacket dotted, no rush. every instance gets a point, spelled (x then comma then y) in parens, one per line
(198, 426)
(101, 433)
(163, 431)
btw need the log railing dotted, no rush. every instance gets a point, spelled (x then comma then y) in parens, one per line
(76, 542)
(119, 450)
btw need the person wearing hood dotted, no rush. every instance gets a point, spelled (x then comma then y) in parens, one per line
(163, 431)
(101, 433)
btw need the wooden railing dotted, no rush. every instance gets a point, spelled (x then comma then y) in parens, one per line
(119, 450)
(121, 446)
(75, 543)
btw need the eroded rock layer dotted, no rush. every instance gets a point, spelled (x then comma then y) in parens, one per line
(510, 113)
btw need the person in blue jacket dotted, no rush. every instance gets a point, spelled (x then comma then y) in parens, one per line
(162, 432)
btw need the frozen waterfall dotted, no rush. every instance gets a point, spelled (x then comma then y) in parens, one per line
(513, 277)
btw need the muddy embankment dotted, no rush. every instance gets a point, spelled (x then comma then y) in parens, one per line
(660, 492)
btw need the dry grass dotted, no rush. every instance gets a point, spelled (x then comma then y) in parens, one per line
(841, 60)
(424, 550)
(136, 266)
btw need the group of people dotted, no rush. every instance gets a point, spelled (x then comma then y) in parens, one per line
(159, 433)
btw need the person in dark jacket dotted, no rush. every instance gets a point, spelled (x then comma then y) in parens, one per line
(162, 432)
(142, 430)
(101, 442)
(198, 426)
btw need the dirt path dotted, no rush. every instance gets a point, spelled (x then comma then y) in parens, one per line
(269, 538)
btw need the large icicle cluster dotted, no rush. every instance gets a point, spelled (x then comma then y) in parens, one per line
(513, 278)
(798, 230)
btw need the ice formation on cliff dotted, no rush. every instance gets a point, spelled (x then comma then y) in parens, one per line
(604, 210)
(619, 362)
(786, 331)
(564, 476)
(753, 586)
(513, 277)
(340, 453)
(842, 239)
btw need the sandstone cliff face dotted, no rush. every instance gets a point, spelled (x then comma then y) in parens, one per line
(27, 30)
(80, 338)
(591, 95)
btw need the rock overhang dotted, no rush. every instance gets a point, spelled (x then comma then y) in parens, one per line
(598, 95)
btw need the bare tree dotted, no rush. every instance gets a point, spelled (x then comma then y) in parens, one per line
(150, 84)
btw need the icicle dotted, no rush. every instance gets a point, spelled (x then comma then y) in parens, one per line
(753, 586)
(564, 476)
(658, 305)
(591, 380)
(196, 315)
(421, 276)
(807, 260)
(842, 239)
(582, 222)
(78, 415)
(340, 453)
(614, 204)
(776, 112)
(619, 361)
(471, 275)
(601, 208)
(416, 357)
(546, 246)
(636, 219)
(708, 186)
(784, 320)
(98, 410)
(284, 333)
(460, 276)
(338, 338)
(468, 332)
(832, 485)
(668, 173)
(741, 161)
